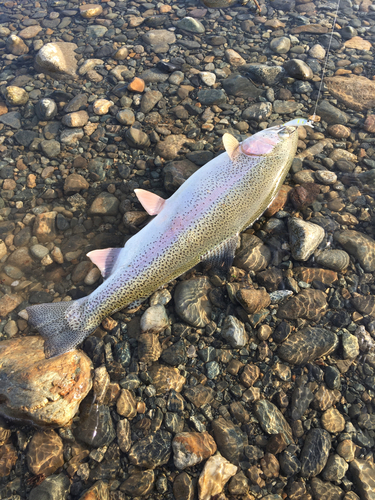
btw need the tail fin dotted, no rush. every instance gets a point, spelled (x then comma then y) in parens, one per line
(60, 324)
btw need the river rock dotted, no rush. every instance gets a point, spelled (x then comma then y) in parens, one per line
(165, 378)
(190, 24)
(151, 451)
(253, 255)
(308, 304)
(183, 488)
(45, 453)
(307, 345)
(58, 60)
(200, 395)
(360, 246)
(192, 303)
(233, 331)
(356, 92)
(191, 448)
(139, 483)
(298, 69)
(95, 427)
(364, 477)
(154, 319)
(333, 421)
(39, 390)
(304, 238)
(55, 487)
(272, 420)
(170, 147)
(338, 260)
(323, 490)
(46, 109)
(335, 468)
(149, 348)
(216, 473)
(230, 439)
(331, 114)
(16, 96)
(315, 452)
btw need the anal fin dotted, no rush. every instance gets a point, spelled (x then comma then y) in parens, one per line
(222, 256)
(105, 259)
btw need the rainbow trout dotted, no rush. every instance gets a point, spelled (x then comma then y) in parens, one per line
(201, 221)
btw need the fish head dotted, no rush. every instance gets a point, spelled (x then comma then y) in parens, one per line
(271, 140)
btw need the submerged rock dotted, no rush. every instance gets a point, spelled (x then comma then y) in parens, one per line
(307, 345)
(38, 390)
(216, 473)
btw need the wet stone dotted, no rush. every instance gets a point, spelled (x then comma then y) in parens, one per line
(304, 237)
(216, 473)
(307, 345)
(252, 300)
(104, 204)
(200, 395)
(230, 440)
(333, 421)
(23, 400)
(55, 487)
(191, 448)
(126, 404)
(233, 331)
(45, 453)
(331, 114)
(139, 483)
(272, 420)
(289, 464)
(149, 348)
(301, 399)
(183, 488)
(315, 452)
(123, 433)
(298, 69)
(165, 378)
(360, 246)
(338, 260)
(95, 426)
(364, 477)
(154, 319)
(253, 254)
(335, 468)
(192, 302)
(46, 109)
(175, 354)
(308, 304)
(8, 459)
(152, 451)
(325, 491)
(350, 346)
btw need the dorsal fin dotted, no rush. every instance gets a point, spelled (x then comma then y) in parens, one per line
(231, 145)
(105, 259)
(152, 203)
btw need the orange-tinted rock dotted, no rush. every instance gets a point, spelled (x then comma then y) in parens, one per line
(309, 28)
(8, 458)
(8, 303)
(74, 183)
(44, 391)
(99, 491)
(3, 108)
(191, 448)
(30, 32)
(279, 202)
(356, 92)
(308, 274)
(358, 43)
(339, 131)
(136, 85)
(253, 300)
(44, 227)
(90, 10)
(126, 404)
(45, 453)
(250, 375)
(165, 378)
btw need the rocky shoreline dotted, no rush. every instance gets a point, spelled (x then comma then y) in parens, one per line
(255, 384)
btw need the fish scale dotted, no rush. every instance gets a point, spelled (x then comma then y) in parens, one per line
(198, 221)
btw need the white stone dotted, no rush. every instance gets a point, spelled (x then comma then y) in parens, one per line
(216, 473)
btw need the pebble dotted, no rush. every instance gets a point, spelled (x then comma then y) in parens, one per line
(139, 483)
(191, 448)
(16, 96)
(192, 303)
(335, 468)
(57, 60)
(233, 331)
(280, 45)
(154, 319)
(230, 440)
(304, 237)
(45, 453)
(364, 477)
(216, 473)
(272, 420)
(307, 345)
(298, 69)
(55, 487)
(338, 260)
(151, 451)
(315, 452)
(360, 246)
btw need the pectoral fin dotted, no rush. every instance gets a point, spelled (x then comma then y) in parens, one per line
(231, 145)
(152, 203)
(105, 259)
(222, 256)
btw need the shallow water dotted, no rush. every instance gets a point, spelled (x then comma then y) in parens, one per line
(271, 364)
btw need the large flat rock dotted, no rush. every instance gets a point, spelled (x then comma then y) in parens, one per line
(33, 389)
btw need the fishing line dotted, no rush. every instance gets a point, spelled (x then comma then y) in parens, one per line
(313, 117)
